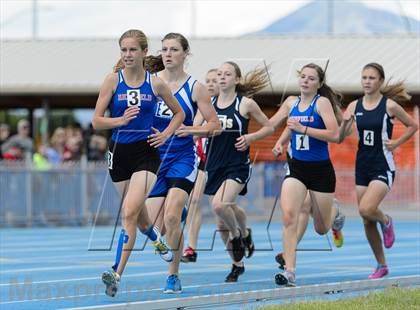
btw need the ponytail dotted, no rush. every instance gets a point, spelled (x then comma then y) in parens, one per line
(118, 66)
(396, 92)
(334, 97)
(153, 64)
(253, 82)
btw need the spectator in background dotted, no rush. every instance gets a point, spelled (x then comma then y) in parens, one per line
(40, 158)
(72, 149)
(97, 148)
(78, 132)
(74, 130)
(13, 153)
(54, 153)
(21, 141)
(4, 135)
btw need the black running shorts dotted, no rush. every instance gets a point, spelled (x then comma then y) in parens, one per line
(365, 175)
(238, 173)
(318, 176)
(126, 158)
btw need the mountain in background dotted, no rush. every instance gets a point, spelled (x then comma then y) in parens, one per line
(349, 17)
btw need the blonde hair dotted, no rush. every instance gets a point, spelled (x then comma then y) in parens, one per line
(150, 63)
(253, 82)
(54, 141)
(136, 34)
(396, 92)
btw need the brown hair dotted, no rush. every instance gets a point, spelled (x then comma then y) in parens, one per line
(180, 38)
(396, 92)
(326, 91)
(253, 82)
(154, 63)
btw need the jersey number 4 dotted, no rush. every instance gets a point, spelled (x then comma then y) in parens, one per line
(368, 137)
(133, 97)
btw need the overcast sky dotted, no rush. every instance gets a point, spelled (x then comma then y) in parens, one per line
(100, 18)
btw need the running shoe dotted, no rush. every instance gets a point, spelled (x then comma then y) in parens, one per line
(280, 260)
(173, 285)
(337, 226)
(235, 273)
(340, 217)
(388, 233)
(238, 248)
(163, 250)
(249, 244)
(338, 238)
(286, 278)
(112, 281)
(380, 272)
(189, 255)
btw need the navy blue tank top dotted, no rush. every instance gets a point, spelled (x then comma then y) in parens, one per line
(374, 127)
(221, 151)
(124, 97)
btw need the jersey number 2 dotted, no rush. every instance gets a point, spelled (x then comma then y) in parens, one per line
(163, 110)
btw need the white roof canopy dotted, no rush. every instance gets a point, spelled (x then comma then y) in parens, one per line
(79, 66)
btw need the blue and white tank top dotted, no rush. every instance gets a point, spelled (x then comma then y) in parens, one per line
(163, 116)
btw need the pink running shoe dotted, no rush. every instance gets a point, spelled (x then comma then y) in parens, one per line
(388, 233)
(380, 272)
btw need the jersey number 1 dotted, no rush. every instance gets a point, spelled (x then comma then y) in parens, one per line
(302, 143)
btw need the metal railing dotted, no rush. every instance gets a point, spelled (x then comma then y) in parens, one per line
(80, 193)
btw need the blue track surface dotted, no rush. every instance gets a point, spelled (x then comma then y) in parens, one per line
(49, 268)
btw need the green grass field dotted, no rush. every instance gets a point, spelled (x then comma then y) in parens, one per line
(394, 298)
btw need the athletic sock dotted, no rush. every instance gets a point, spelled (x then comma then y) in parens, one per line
(151, 233)
(238, 264)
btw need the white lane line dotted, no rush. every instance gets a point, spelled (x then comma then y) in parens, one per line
(349, 271)
(258, 295)
(302, 260)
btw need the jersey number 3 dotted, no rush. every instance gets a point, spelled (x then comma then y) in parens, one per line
(133, 97)
(368, 137)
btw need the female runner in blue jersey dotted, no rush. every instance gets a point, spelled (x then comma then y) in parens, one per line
(374, 115)
(194, 208)
(306, 210)
(228, 162)
(179, 163)
(312, 119)
(130, 93)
